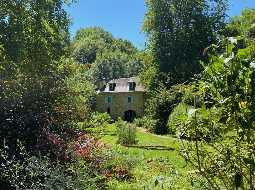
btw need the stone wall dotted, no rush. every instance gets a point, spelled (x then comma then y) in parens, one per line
(119, 103)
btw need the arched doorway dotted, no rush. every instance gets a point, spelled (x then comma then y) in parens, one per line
(129, 115)
(109, 110)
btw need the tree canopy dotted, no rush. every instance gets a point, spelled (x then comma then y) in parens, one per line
(36, 75)
(92, 42)
(243, 25)
(33, 33)
(110, 57)
(178, 33)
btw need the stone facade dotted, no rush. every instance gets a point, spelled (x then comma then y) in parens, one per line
(122, 98)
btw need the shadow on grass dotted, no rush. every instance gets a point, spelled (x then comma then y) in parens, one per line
(108, 134)
(151, 147)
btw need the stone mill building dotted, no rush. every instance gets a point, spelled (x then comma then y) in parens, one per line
(123, 98)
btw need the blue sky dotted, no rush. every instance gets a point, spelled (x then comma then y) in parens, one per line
(124, 18)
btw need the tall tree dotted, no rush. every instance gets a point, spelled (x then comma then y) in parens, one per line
(34, 34)
(90, 43)
(110, 57)
(38, 90)
(115, 64)
(179, 31)
(243, 25)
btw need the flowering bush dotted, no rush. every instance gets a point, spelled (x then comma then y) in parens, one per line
(24, 171)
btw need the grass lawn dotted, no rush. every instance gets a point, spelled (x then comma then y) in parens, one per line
(159, 164)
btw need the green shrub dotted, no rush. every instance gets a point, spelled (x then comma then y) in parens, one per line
(24, 171)
(160, 104)
(96, 120)
(96, 124)
(191, 92)
(178, 118)
(145, 122)
(126, 133)
(100, 119)
(228, 81)
(201, 123)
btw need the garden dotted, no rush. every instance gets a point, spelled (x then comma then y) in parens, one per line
(198, 128)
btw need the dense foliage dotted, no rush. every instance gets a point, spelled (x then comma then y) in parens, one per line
(126, 133)
(28, 70)
(214, 115)
(178, 33)
(110, 57)
(38, 86)
(112, 65)
(49, 137)
(160, 105)
(243, 25)
(41, 93)
(146, 122)
(227, 162)
(32, 172)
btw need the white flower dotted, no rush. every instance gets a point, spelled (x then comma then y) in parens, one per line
(252, 65)
(226, 60)
(232, 40)
(191, 112)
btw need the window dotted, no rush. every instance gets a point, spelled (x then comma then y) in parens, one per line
(112, 86)
(109, 110)
(108, 100)
(132, 86)
(130, 99)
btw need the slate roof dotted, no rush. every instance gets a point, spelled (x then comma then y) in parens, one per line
(122, 85)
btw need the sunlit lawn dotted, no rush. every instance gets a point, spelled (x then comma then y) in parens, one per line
(158, 161)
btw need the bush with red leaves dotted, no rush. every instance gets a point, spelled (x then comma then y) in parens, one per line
(53, 146)
(84, 146)
(101, 159)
